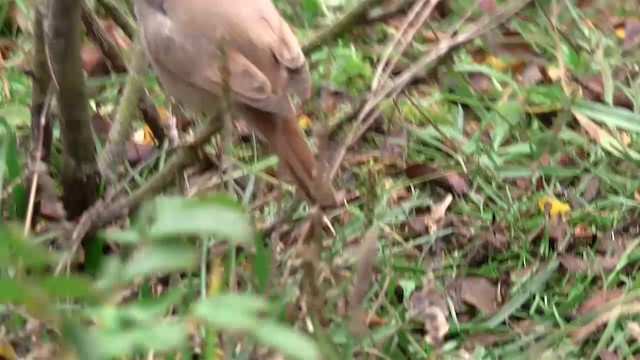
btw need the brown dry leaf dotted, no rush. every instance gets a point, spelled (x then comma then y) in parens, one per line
(430, 307)
(432, 220)
(591, 189)
(599, 299)
(331, 99)
(578, 265)
(582, 233)
(480, 83)
(93, 62)
(477, 292)
(393, 149)
(101, 124)
(449, 181)
(594, 87)
(6, 350)
(483, 340)
(373, 320)
(558, 230)
(608, 355)
(488, 6)
(533, 74)
(633, 328)
(138, 152)
(631, 34)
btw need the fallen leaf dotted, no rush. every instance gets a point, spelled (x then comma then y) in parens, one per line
(138, 152)
(591, 189)
(608, 355)
(578, 265)
(304, 122)
(532, 74)
(631, 34)
(583, 233)
(488, 6)
(373, 320)
(93, 62)
(633, 328)
(449, 181)
(6, 350)
(393, 149)
(598, 299)
(558, 231)
(432, 220)
(555, 207)
(430, 307)
(593, 88)
(477, 292)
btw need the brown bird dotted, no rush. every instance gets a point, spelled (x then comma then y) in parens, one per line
(201, 49)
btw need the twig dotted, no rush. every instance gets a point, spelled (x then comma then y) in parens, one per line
(385, 14)
(342, 25)
(404, 36)
(101, 214)
(118, 17)
(99, 35)
(41, 136)
(363, 276)
(114, 149)
(63, 41)
(36, 166)
(369, 111)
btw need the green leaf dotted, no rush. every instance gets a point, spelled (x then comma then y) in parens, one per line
(13, 291)
(10, 164)
(17, 115)
(163, 336)
(262, 264)
(216, 215)
(243, 313)
(80, 339)
(72, 286)
(239, 312)
(15, 248)
(159, 259)
(25, 290)
(612, 116)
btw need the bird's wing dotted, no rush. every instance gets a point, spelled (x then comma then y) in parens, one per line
(197, 59)
(272, 32)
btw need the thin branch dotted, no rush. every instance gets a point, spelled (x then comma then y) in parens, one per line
(101, 214)
(119, 17)
(41, 132)
(347, 21)
(99, 35)
(368, 111)
(114, 150)
(63, 32)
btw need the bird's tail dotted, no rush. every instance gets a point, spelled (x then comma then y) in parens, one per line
(288, 142)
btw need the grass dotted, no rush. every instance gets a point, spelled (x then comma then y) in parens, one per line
(512, 142)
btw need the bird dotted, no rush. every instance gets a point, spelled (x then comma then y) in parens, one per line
(206, 53)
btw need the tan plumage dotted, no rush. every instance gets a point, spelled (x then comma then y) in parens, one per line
(187, 42)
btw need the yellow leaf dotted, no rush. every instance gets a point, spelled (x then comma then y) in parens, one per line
(304, 122)
(6, 351)
(620, 33)
(143, 136)
(496, 63)
(557, 207)
(163, 114)
(138, 136)
(215, 278)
